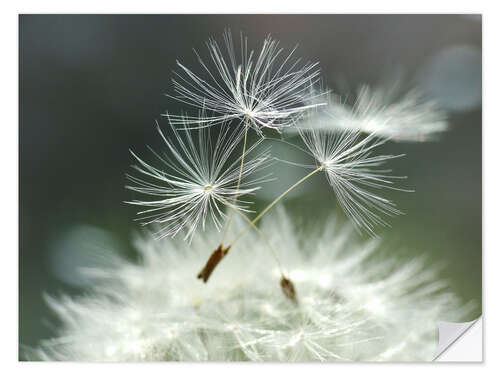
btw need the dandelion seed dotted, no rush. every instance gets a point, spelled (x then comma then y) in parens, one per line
(288, 288)
(347, 160)
(212, 262)
(354, 303)
(350, 168)
(196, 180)
(269, 90)
(387, 112)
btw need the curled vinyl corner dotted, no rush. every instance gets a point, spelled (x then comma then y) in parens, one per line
(460, 342)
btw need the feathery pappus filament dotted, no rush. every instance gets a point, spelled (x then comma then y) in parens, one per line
(386, 110)
(352, 171)
(197, 178)
(269, 88)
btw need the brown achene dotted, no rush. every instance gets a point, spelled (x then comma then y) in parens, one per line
(218, 254)
(212, 262)
(288, 289)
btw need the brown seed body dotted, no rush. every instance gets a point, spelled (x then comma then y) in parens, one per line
(288, 288)
(212, 262)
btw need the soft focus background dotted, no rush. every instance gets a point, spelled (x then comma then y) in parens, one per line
(91, 87)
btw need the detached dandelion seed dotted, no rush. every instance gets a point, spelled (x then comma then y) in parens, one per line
(351, 170)
(387, 111)
(196, 180)
(269, 89)
(347, 161)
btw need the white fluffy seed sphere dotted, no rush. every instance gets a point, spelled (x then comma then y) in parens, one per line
(354, 302)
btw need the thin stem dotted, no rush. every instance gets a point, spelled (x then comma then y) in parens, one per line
(262, 213)
(259, 232)
(230, 218)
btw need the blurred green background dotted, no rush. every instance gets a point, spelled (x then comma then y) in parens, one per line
(91, 87)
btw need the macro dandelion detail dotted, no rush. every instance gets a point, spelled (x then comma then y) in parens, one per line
(385, 110)
(287, 287)
(197, 179)
(351, 169)
(353, 303)
(267, 89)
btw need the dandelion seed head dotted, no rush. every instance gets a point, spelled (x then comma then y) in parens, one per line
(386, 110)
(196, 180)
(354, 303)
(352, 171)
(264, 89)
